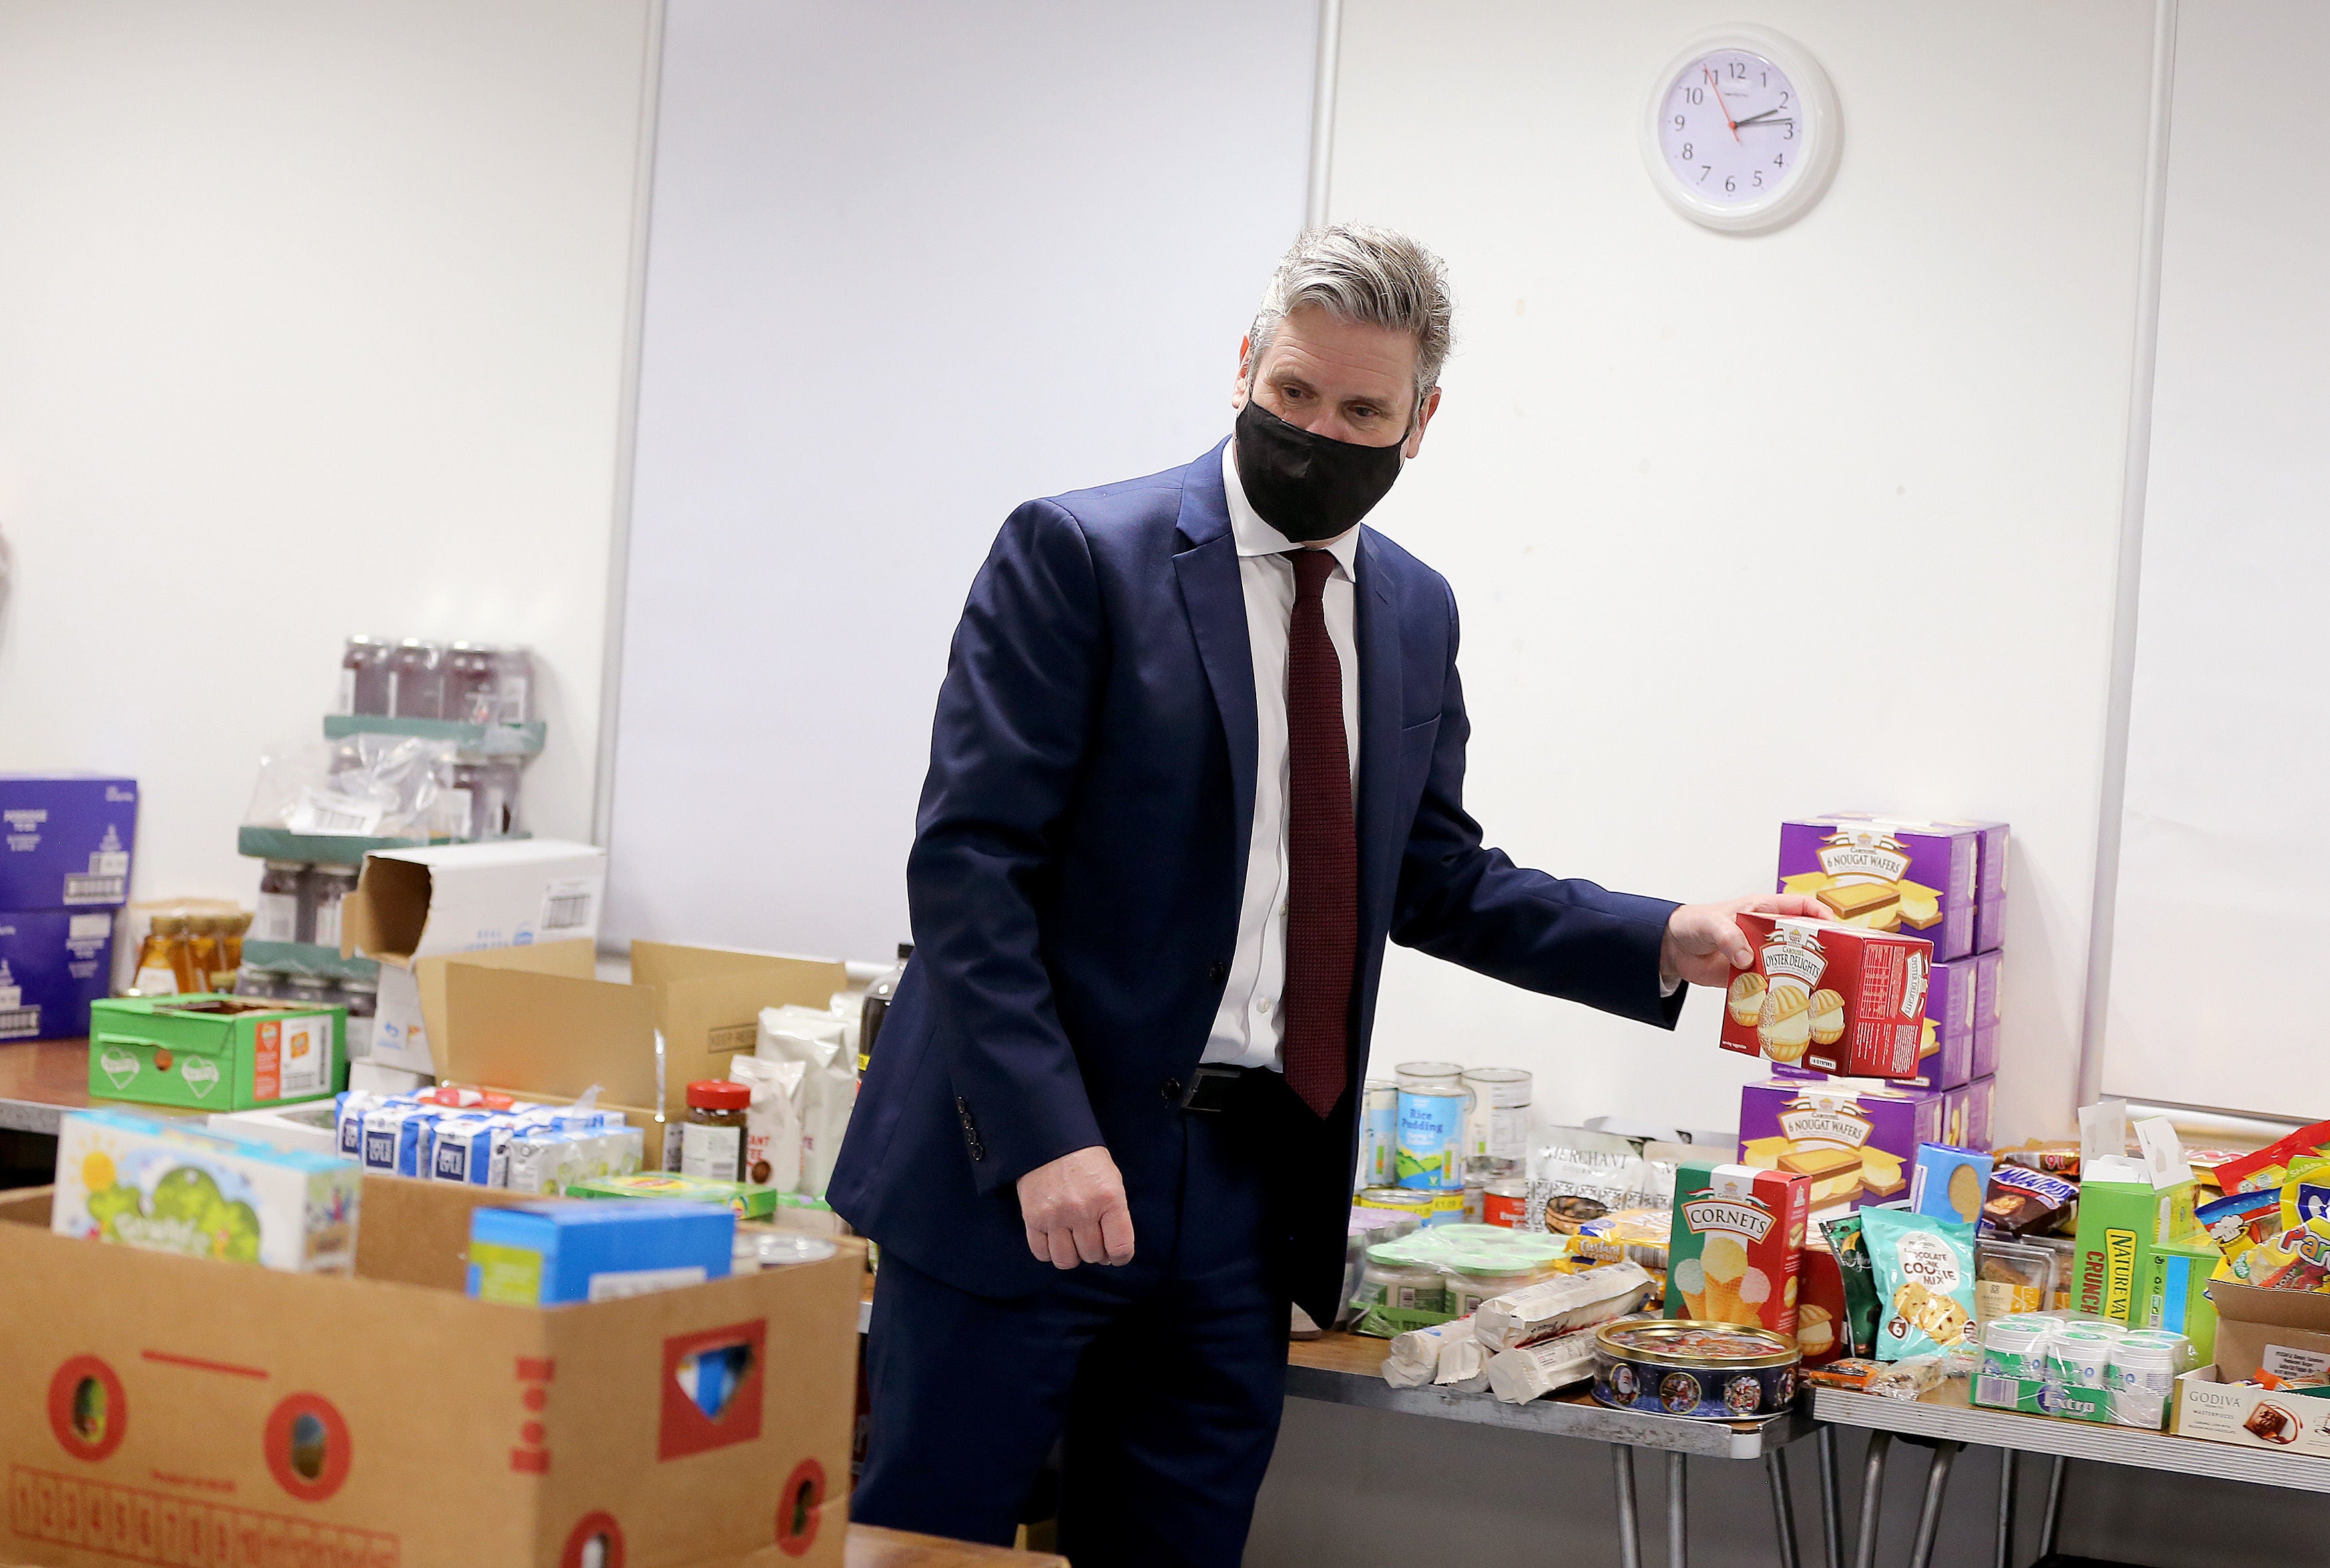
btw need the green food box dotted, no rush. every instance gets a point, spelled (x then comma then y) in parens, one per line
(751, 1202)
(208, 1052)
(2173, 1293)
(2121, 1225)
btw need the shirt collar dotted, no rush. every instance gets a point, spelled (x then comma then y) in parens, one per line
(1256, 537)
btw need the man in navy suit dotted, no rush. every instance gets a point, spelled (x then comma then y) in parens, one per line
(1199, 752)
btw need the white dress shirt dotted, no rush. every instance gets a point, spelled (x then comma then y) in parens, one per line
(1247, 1029)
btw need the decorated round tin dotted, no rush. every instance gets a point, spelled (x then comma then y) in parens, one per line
(1682, 1366)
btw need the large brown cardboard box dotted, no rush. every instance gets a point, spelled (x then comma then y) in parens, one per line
(532, 1021)
(2287, 1332)
(165, 1410)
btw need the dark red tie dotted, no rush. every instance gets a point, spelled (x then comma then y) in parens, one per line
(1323, 857)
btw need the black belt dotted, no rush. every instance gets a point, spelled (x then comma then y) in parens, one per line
(1214, 1088)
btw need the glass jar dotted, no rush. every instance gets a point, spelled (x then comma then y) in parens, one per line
(1469, 1284)
(472, 689)
(416, 684)
(258, 982)
(360, 997)
(328, 887)
(304, 991)
(714, 1145)
(164, 965)
(281, 885)
(363, 677)
(231, 931)
(201, 949)
(514, 684)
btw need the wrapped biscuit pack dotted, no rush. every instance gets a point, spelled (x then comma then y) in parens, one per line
(1838, 999)
(1557, 1306)
(1533, 1371)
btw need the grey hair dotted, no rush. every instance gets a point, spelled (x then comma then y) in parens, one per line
(1358, 272)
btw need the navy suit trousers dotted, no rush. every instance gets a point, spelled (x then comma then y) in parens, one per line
(1161, 1380)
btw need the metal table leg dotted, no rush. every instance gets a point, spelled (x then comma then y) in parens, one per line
(2003, 1557)
(1873, 1500)
(1784, 1506)
(1930, 1516)
(1832, 1514)
(1678, 1512)
(1630, 1530)
(2054, 1507)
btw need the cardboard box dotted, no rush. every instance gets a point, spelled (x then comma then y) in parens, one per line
(1948, 1182)
(1736, 1245)
(2284, 1332)
(1820, 1326)
(1835, 998)
(482, 1433)
(2173, 1287)
(414, 908)
(1889, 875)
(207, 1053)
(1879, 1124)
(308, 1127)
(65, 839)
(1968, 1112)
(1989, 884)
(532, 1022)
(2209, 1407)
(53, 963)
(2121, 1224)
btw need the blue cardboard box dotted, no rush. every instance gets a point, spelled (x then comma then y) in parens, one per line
(65, 840)
(547, 1254)
(53, 963)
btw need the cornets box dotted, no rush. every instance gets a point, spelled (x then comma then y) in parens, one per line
(187, 1412)
(1831, 997)
(413, 909)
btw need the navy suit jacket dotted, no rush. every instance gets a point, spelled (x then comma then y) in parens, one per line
(1079, 860)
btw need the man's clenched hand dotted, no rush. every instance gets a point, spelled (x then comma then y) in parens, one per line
(1704, 944)
(1075, 1210)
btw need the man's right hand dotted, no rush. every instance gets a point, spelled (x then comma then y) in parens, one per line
(1075, 1210)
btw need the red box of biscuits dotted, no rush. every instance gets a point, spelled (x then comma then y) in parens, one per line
(1835, 998)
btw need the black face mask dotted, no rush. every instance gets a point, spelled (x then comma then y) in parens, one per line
(1306, 486)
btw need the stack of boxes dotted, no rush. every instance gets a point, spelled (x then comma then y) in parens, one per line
(1944, 882)
(65, 842)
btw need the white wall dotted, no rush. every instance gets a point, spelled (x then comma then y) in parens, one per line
(1745, 528)
(312, 321)
(910, 265)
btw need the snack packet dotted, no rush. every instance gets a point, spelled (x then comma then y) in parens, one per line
(1854, 1372)
(1925, 1281)
(2027, 1203)
(2240, 1221)
(1851, 1250)
(2270, 1165)
(1626, 1236)
(1581, 1175)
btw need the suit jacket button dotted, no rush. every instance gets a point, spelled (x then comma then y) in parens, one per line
(978, 1151)
(1170, 1089)
(1217, 972)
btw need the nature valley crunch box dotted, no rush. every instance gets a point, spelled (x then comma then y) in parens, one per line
(1736, 1245)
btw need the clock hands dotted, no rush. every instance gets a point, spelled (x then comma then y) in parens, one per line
(1720, 106)
(1764, 118)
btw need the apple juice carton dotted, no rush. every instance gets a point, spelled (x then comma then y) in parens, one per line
(1736, 1245)
(1834, 998)
(166, 1187)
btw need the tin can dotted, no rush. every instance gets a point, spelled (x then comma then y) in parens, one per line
(1683, 1366)
(1430, 1153)
(1505, 1202)
(1379, 1133)
(1403, 1200)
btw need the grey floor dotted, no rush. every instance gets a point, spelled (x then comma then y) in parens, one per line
(1359, 1488)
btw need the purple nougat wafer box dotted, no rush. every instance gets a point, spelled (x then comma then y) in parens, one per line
(1885, 873)
(1811, 1129)
(1966, 1114)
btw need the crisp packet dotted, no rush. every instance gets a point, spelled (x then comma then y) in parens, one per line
(1925, 1281)
(1851, 1250)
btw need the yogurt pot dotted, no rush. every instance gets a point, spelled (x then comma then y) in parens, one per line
(1469, 1284)
(1684, 1367)
(1392, 1282)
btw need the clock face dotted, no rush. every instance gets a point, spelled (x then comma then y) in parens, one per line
(1730, 129)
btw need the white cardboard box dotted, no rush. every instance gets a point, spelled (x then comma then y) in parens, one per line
(308, 1127)
(414, 908)
(2223, 1412)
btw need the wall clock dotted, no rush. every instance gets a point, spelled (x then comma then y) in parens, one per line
(1742, 130)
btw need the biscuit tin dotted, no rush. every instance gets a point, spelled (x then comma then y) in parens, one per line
(1679, 1366)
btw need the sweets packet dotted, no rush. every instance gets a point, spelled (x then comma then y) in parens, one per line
(1924, 1273)
(2274, 1164)
(2019, 1202)
(1852, 1249)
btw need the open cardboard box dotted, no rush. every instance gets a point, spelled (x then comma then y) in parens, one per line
(534, 1022)
(189, 1411)
(2284, 1332)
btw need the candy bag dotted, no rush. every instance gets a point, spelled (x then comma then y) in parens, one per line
(1925, 1273)
(1851, 1250)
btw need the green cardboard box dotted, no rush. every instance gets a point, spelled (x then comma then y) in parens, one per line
(208, 1052)
(2174, 1292)
(2121, 1225)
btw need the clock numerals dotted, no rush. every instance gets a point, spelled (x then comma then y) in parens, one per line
(1725, 113)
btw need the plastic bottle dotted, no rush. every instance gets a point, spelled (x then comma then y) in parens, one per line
(877, 1005)
(164, 966)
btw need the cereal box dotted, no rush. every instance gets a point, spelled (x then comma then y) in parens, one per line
(1855, 1142)
(1736, 1245)
(1835, 998)
(1889, 875)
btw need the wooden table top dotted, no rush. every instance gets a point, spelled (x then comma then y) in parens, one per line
(872, 1547)
(39, 1074)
